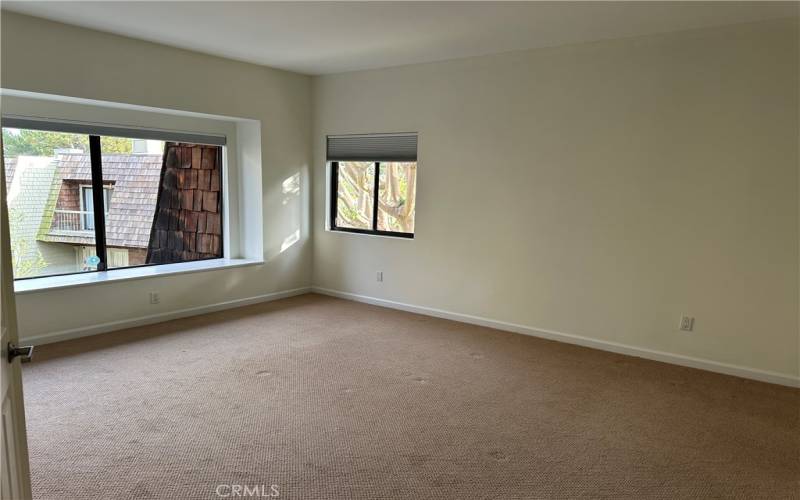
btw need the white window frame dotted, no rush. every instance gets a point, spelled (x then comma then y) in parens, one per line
(82, 203)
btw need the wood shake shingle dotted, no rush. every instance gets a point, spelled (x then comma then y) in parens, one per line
(188, 225)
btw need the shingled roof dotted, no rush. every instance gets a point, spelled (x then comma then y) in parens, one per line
(11, 165)
(28, 181)
(134, 179)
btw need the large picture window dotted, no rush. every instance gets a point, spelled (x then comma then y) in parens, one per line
(373, 184)
(82, 202)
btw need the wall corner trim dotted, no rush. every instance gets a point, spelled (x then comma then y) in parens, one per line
(74, 333)
(665, 357)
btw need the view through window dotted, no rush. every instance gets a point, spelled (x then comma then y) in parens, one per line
(161, 202)
(356, 191)
(358, 209)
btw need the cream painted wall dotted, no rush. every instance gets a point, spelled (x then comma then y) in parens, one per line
(600, 190)
(42, 56)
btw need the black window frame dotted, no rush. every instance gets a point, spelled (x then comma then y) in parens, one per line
(334, 206)
(98, 186)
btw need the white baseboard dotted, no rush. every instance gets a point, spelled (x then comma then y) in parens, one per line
(676, 359)
(74, 333)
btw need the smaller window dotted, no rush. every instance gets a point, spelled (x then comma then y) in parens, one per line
(373, 184)
(87, 206)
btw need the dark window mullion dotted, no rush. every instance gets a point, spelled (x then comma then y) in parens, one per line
(98, 199)
(375, 196)
(334, 193)
(221, 202)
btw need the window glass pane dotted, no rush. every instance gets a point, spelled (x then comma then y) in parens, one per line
(87, 204)
(44, 175)
(132, 177)
(396, 193)
(164, 203)
(356, 188)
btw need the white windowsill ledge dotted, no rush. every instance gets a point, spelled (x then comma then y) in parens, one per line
(94, 278)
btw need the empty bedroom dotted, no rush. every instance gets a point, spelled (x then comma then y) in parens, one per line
(385, 250)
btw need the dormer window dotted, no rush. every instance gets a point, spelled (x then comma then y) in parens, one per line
(87, 206)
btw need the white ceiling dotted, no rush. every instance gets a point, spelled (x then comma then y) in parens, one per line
(331, 37)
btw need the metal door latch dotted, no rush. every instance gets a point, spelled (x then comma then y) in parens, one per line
(25, 353)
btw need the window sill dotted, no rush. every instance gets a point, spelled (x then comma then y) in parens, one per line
(115, 275)
(365, 232)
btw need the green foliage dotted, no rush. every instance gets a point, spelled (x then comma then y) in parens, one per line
(42, 143)
(356, 180)
(396, 191)
(115, 145)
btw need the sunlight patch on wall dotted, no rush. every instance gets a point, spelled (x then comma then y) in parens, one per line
(290, 240)
(291, 185)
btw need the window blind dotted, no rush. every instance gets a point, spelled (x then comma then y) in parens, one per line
(110, 130)
(373, 147)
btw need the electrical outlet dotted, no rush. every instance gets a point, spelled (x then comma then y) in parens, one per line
(687, 323)
(155, 298)
(379, 276)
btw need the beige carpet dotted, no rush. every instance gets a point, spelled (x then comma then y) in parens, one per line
(329, 399)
